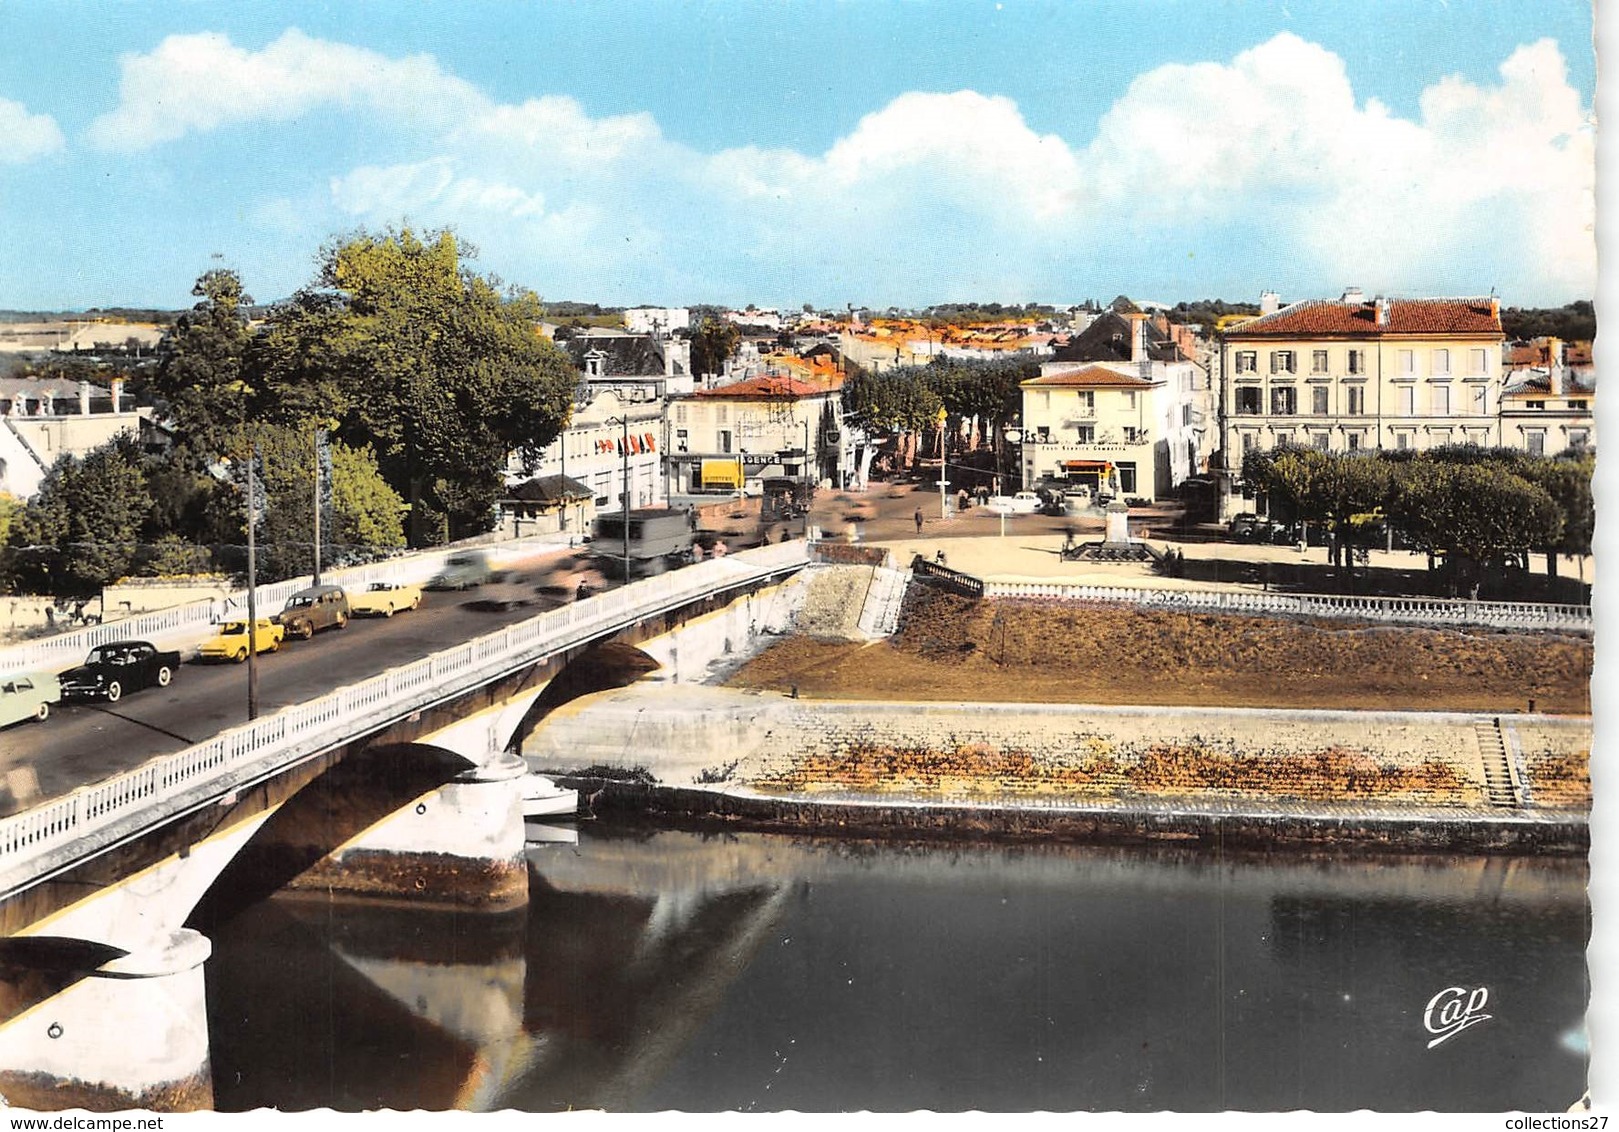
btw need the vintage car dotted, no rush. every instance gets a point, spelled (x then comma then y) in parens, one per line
(119, 667)
(312, 609)
(462, 570)
(27, 695)
(384, 599)
(231, 642)
(1023, 503)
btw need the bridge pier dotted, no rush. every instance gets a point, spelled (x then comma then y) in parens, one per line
(132, 1034)
(459, 843)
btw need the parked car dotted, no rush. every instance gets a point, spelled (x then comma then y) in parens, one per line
(384, 599)
(231, 641)
(121, 666)
(1023, 503)
(28, 695)
(462, 570)
(1249, 527)
(310, 610)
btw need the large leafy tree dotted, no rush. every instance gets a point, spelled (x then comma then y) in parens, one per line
(82, 530)
(1472, 513)
(200, 380)
(441, 371)
(713, 340)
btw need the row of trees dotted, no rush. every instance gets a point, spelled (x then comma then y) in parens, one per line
(1476, 508)
(426, 376)
(906, 401)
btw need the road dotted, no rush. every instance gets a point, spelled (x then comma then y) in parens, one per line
(87, 742)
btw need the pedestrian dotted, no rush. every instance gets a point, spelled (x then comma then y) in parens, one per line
(919, 520)
(938, 556)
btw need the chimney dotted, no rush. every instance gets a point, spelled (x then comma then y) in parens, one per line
(1354, 295)
(1382, 307)
(117, 395)
(1269, 302)
(84, 398)
(1138, 338)
(1495, 308)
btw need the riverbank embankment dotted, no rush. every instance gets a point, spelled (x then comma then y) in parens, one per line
(1405, 779)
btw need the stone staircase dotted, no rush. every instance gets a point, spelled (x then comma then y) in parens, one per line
(1499, 788)
(879, 617)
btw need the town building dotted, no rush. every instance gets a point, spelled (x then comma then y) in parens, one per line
(1133, 426)
(1354, 374)
(657, 320)
(43, 419)
(1547, 398)
(730, 438)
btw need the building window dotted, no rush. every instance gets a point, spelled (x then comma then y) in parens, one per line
(1284, 436)
(725, 440)
(1353, 440)
(1087, 402)
(1477, 361)
(1357, 361)
(1186, 416)
(1579, 406)
(1356, 397)
(1441, 437)
(1406, 361)
(1043, 434)
(681, 440)
(680, 414)
(1129, 399)
(1249, 403)
(1247, 361)
(1439, 400)
(1441, 361)
(1131, 434)
(1087, 434)
(1408, 401)
(1402, 440)
(1127, 478)
(1480, 395)
(1321, 440)
(720, 412)
(1318, 361)
(1578, 438)
(1535, 441)
(1284, 401)
(1534, 404)
(1249, 442)
(1283, 361)
(1318, 400)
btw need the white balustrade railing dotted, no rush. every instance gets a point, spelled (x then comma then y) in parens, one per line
(42, 840)
(48, 654)
(1412, 610)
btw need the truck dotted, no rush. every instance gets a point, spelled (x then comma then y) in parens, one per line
(659, 540)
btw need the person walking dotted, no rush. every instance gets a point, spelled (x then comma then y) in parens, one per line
(919, 521)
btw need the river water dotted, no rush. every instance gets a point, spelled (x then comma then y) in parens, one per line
(657, 969)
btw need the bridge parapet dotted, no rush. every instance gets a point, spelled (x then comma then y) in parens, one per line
(49, 838)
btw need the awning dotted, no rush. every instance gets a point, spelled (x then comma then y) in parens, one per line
(1087, 466)
(722, 473)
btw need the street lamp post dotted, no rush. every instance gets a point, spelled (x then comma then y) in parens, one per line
(625, 496)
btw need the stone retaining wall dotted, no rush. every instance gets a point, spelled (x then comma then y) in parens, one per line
(1049, 755)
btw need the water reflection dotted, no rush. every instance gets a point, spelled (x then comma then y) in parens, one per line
(659, 969)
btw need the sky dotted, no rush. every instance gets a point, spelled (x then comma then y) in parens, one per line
(833, 152)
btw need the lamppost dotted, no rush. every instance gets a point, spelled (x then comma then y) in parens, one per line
(625, 496)
(943, 416)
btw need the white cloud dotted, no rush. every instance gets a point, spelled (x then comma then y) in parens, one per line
(193, 83)
(26, 137)
(1268, 164)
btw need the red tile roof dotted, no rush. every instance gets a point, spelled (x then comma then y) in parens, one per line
(762, 387)
(1088, 377)
(1330, 317)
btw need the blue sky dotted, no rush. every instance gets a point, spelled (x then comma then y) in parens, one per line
(871, 151)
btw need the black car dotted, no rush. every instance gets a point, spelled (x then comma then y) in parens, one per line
(119, 667)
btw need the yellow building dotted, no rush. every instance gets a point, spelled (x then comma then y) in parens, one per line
(1095, 426)
(1353, 374)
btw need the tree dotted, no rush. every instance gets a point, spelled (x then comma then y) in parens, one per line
(437, 368)
(199, 381)
(81, 531)
(1472, 513)
(713, 340)
(1568, 481)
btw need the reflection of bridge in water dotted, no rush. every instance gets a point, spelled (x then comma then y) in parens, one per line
(402, 787)
(632, 953)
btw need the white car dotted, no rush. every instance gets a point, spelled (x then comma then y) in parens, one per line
(1023, 503)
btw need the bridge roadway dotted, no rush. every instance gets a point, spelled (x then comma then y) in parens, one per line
(84, 743)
